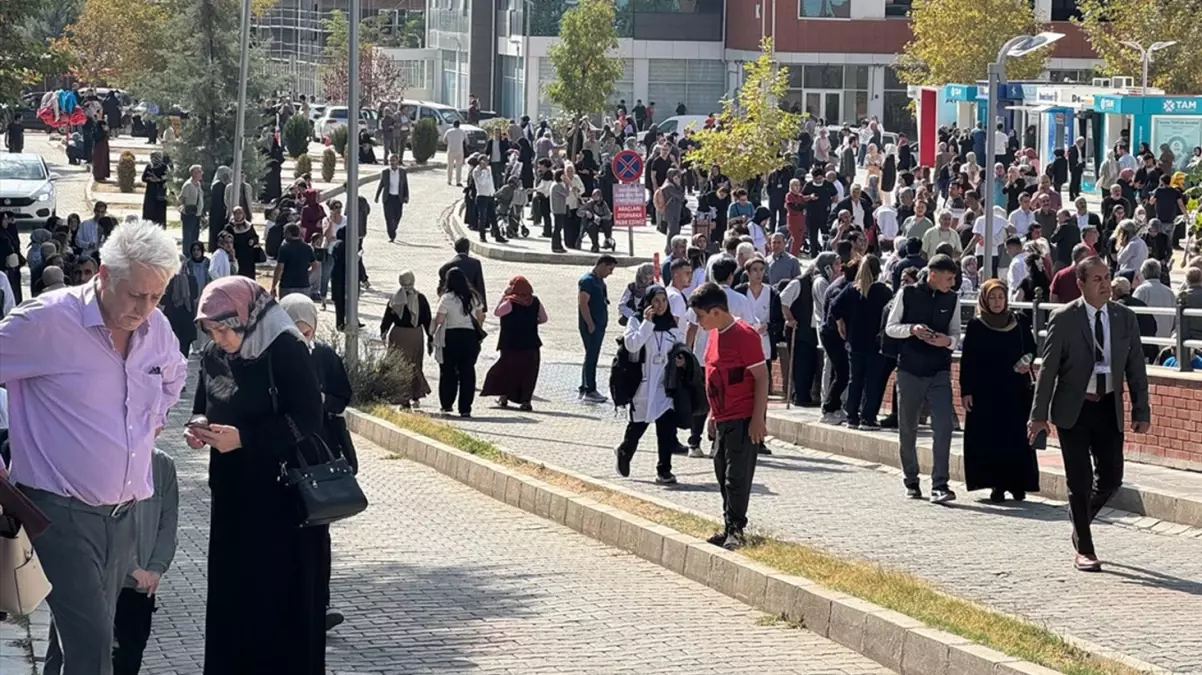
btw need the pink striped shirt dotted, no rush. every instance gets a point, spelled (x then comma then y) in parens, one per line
(82, 419)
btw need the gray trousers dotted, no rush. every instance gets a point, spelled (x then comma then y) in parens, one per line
(86, 554)
(936, 392)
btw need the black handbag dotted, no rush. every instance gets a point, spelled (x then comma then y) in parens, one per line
(321, 493)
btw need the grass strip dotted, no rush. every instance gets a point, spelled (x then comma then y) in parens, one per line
(898, 591)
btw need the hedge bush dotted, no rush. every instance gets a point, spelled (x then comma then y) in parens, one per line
(127, 171)
(425, 140)
(339, 139)
(304, 165)
(329, 163)
(296, 136)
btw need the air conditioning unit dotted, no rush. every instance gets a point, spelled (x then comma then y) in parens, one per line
(1101, 82)
(1122, 82)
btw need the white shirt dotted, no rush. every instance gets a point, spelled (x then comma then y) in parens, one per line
(330, 232)
(886, 219)
(1128, 161)
(897, 330)
(650, 401)
(1016, 273)
(454, 138)
(394, 183)
(1021, 221)
(88, 236)
(857, 213)
(739, 307)
(762, 306)
(1102, 368)
(678, 304)
(1001, 140)
(222, 265)
(450, 306)
(999, 230)
(482, 177)
(1083, 220)
(821, 284)
(1155, 294)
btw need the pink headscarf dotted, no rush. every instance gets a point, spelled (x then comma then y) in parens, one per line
(248, 309)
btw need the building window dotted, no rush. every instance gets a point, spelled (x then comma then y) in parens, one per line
(897, 116)
(699, 84)
(1063, 10)
(623, 88)
(823, 77)
(824, 9)
(513, 85)
(898, 8)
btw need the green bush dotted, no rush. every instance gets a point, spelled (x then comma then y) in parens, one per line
(381, 375)
(329, 163)
(127, 171)
(495, 123)
(338, 139)
(304, 165)
(425, 140)
(296, 136)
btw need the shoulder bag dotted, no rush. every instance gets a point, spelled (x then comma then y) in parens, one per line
(23, 584)
(321, 493)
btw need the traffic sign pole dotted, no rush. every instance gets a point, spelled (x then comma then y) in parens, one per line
(629, 205)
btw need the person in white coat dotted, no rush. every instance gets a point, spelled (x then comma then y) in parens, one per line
(652, 334)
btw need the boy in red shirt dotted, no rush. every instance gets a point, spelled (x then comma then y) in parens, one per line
(736, 380)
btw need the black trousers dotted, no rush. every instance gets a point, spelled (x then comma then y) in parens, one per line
(1093, 464)
(806, 362)
(1074, 183)
(836, 351)
(393, 210)
(457, 372)
(665, 439)
(734, 467)
(866, 389)
(571, 230)
(338, 291)
(542, 214)
(814, 233)
(131, 630)
(486, 217)
(560, 221)
(777, 210)
(498, 171)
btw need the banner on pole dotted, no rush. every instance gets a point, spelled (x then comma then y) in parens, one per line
(630, 207)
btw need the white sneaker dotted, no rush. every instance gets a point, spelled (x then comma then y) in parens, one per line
(697, 453)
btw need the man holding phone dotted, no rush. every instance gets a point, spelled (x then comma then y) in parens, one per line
(926, 318)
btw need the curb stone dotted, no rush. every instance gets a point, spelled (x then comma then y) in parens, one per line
(898, 642)
(881, 448)
(454, 229)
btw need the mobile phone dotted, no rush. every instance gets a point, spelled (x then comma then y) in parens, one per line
(197, 423)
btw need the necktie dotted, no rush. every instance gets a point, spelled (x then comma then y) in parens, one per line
(1099, 338)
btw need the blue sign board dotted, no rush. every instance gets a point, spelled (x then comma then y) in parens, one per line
(628, 166)
(1119, 104)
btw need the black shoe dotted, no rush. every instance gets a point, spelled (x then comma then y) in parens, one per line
(681, 449)
(997, 496)
(334, 618)
(914, 492)
(623, 463)
(717, 539)
(466, 414)
(1019, 495)
(665, 479)
(942, 496)
(889, 422)
(526, 407)
(734, 541)
(763, 450)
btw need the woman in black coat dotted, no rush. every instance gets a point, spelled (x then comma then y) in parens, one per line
(526, 157)
(218, 214)
(254, 408)
(996, 390)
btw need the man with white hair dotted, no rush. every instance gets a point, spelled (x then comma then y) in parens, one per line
(52, 278)
(1155, 294)
(91, 372)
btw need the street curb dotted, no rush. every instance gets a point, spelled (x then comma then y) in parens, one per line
(898, 642)
(455, 230)
(881, 448)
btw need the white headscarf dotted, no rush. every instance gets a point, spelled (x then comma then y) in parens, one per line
(406, 297)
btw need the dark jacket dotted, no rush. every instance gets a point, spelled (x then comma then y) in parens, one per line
(471, 269)
(865, 203)
(385, 179)
(336, 385)
(922, 304)
(685, 385)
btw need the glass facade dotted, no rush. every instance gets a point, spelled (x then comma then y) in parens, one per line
(513, 86)
(545, 14)
(834, 93)
(699, 84)
(898, 116)
(454, 68)
(623, 88)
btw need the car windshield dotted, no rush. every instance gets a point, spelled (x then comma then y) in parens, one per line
(448, 115)
(20, 168)
(338, 113)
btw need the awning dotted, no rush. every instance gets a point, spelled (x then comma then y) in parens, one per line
(1043, 107)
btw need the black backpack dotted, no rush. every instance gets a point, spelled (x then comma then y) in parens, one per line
(625, 375)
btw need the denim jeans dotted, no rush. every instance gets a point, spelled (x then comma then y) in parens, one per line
(327, 270)
(592, 353)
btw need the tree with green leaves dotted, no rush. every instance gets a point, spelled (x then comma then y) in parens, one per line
(1110, 23)
(585, 72)
(200, 75)
(24, 57)
(113, 42)
(955, 41)
(753, 132)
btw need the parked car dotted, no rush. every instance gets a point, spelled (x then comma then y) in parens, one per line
(336, 115)
(484, 114)
(678, 124)
(27, 188)
(444, 116)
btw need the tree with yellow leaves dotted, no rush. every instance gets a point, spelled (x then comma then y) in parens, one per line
(1110, 23)
(115, 41)
(753, 130)
(955, 41)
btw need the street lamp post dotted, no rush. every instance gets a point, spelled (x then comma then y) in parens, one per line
(1016, 46)
(1145, 57)
(240, 124)
(352, 189)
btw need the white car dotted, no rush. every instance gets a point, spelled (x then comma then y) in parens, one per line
(336, 115)
(678, 124)
(27, 187)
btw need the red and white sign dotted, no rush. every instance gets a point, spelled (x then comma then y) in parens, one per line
(630, 205)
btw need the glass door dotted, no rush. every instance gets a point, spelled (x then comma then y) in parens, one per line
(825, 104)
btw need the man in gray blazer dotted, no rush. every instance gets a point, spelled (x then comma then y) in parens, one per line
(1092, 347)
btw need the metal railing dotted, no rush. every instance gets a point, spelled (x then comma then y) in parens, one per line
(1182, 348)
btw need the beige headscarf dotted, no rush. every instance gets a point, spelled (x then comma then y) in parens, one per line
(406, 297)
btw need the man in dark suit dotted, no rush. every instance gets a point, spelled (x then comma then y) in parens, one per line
(496, 151)
(856, 198)
(1076, 166)
(1092, 348)
(394, 185)
(470, 267)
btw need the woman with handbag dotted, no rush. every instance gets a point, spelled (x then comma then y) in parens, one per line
(457, 337)
(258, 413)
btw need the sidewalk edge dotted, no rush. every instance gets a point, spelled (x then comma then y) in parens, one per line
(454, 229)
(881, 448)
(895, 641)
